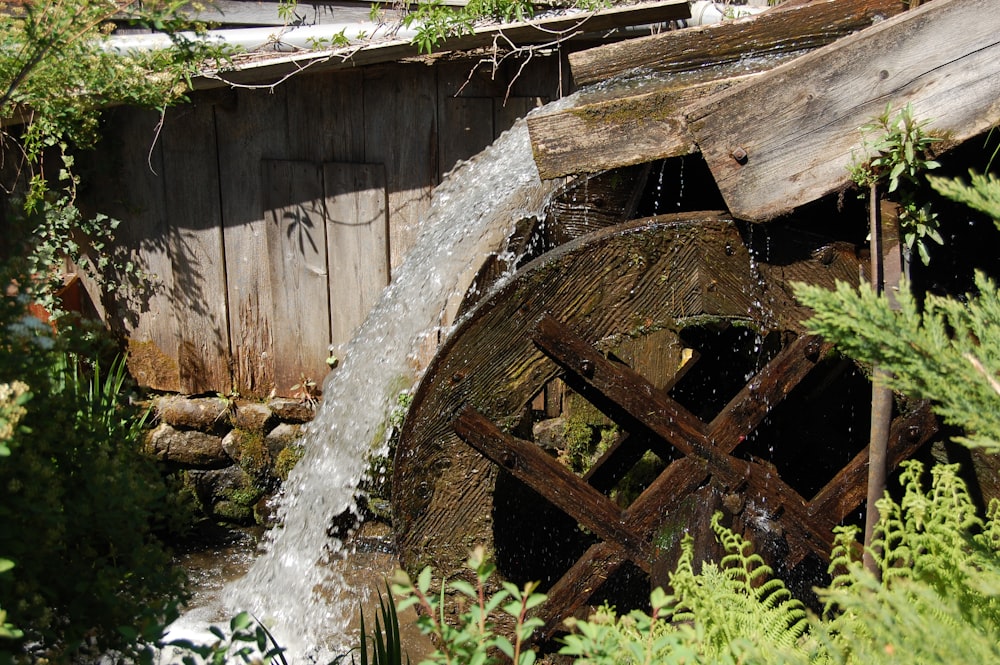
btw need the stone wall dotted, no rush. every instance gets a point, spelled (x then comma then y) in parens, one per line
(232, 454)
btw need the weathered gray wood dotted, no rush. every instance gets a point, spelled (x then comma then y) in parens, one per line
(248, 130)
(619, 132)
(797, 27)
(145, 318)
(191, 181)
(404, 138)
(295, 228)
(326, 117)
(357, 243)
(798, 124)
(466, 128)
(647, 122)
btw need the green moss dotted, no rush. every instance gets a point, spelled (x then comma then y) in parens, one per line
(587, 434)
(233, 511)
(286, 461)
(254, 456)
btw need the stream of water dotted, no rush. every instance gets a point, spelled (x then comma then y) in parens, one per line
(300, 585)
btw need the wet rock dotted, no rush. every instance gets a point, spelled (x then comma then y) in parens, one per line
(233, 443)
(203, 413)
(235, 512)
(292, 410)
(188, 448)
(282, 436)
(253, 416)
(551, 434)
(214, 485)
(266, 512)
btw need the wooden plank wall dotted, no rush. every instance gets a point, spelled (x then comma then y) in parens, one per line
(271, 219)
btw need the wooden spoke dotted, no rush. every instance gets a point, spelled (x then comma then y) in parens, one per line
(564, 489)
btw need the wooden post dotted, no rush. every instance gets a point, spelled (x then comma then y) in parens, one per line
(886, 261)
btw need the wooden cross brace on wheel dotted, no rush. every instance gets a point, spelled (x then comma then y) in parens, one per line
(707, 453)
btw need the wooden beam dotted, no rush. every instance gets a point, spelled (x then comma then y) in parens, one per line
(798, 28)
(564, 489)
(638, 127)
(789, 136)
(619, 132)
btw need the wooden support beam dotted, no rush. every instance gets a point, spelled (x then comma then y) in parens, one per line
(789, 136)
(619, 132)
(795, 28)
(845, 491)
(649, 123)
(564, 489)
(669, 420)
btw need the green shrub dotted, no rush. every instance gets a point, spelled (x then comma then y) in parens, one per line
(83, 508)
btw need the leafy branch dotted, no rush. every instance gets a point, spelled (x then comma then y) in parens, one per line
(472, 639)
(897, 157)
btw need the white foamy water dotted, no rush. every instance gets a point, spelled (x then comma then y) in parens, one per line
(297, 587)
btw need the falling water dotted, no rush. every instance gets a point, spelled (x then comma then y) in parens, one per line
(295, 586)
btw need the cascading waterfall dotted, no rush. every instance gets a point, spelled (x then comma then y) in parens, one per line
(295, 587)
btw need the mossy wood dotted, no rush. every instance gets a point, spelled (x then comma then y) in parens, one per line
(789, 136)
(791, 27)
(569, 315)
(645, 119)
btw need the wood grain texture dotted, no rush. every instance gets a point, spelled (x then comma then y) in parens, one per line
(357, 228)
(798, 124)
(295, 227)
(249, 130)
(145, 318)
(191, 185)
(794, 28)
(404, 137)
(620, 132)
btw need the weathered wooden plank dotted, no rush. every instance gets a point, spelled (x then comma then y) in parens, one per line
(629, 130)
(639, 126)
(795, 129)
(144, 318)
(466, 128)
(357, 243)
(329, 115)
(249, 129)
(529, 464)
(296, 245)
(404, 138)
(795, 28)
(191, 188)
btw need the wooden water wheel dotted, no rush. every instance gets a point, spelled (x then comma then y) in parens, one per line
(690, 347)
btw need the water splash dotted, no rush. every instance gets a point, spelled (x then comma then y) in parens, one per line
(297, 587)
